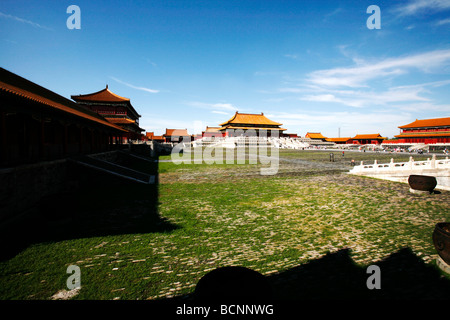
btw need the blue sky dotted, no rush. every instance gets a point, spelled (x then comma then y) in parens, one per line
(314, 66)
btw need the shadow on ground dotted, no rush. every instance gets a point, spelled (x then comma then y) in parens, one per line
(101, 205)
(332, 277)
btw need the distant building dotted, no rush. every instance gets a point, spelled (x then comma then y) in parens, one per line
(37, 124)
(212, 132)
(366, 139)
(177, 135)
(428, 131)
(339, 140)
(290, 135)
(114, 108)
(315, 135)
(151, 136)
(248, 123)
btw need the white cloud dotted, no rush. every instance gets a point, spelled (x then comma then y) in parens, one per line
(369, 98)
(220, 112)
(350, 123)
(291, 90)
(424, 107)
(134, 87)
(442, 22)
(218, 107)
(31, 23)
(331, 14)
(417, 6)
(291, 56)
(359, 75)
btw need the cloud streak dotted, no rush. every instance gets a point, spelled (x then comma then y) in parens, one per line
(359, 75)
(220, 108)
(31, 23)
(442, 22)
(418, 6)
(383, 122)
(135, 87)
(369, 98)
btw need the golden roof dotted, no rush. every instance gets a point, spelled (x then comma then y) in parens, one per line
(176, 132)
(249, 128)
(337, 139)
(250, 118)
(368, 136)
(315, 135)
(212, 129)
(104, 95)
(437, 122)
(120, 120)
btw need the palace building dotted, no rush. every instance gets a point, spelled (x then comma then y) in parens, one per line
(315, 135)
(115, 109)
(37, 124)
(375, 138)
(428, 131)
(253, 124)
(212, 132)
(152, 137)
(339, 140)
(177, 135)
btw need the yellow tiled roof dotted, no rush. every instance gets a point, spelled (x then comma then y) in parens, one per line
(104, 95)
(368, 136)
(250, 118)
(315, 135)
(176, 132)
(437, 122)
(249, 128)
(337, 139)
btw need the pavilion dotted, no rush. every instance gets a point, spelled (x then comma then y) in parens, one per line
(114, 108)
(250, 124)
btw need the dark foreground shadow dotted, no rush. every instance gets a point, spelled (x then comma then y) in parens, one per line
(232, 283)
(403, 276)
(100, 205)
(336, 276)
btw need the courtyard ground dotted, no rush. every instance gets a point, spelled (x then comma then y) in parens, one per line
(311, 229)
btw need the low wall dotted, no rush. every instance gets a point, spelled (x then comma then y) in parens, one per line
(400, 171)
(22, 187)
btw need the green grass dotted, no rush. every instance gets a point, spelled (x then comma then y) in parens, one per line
(207, 216)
